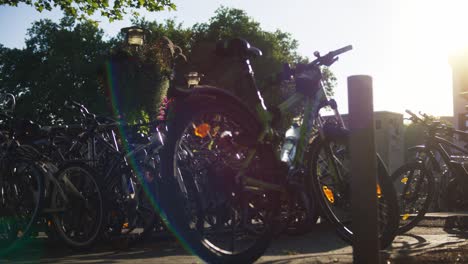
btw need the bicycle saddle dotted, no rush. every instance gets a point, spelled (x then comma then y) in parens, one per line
(237, 47)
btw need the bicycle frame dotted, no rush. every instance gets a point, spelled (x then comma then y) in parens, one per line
(311, 115)
(118, 156)
(436, 144)
(51, 180)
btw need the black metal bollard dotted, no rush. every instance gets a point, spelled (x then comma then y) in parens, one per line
(363, 170)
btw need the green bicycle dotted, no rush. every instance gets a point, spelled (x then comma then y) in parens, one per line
(222, 179)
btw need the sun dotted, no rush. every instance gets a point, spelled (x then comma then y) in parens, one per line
(425, 34)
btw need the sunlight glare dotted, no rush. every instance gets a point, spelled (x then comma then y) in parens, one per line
(426, 34)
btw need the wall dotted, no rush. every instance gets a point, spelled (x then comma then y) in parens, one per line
(389, 138)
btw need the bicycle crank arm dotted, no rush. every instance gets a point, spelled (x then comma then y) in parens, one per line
(258, 185)
(53, 210)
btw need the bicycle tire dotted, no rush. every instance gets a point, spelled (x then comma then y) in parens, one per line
(329, 193)
(14, 230)
(421, 192)
(298, 219)
(118, 202)
(174, 201)
(146, 216)
(84, 200)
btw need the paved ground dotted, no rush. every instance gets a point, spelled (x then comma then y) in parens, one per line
(320, 246)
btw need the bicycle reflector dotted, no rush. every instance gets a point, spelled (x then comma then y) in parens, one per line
(329, 194)
(202, 130)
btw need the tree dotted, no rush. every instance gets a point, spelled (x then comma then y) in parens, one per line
(69, 60)
(142, 75)
(60, 62)
(83, 9)
(278, 47)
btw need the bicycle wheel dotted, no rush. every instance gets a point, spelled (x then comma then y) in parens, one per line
(21, 198)
(80, 220)
(140, 214)
(147, 218)
(121, 200)
(301, 214)
(211, 212)
(414, 186)
(333, 190)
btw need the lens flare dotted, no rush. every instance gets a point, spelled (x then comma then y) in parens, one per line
(112, 91)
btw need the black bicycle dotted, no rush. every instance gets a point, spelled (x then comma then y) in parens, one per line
(127, 163)
(21, 186)
(415, 183)
(71, 209)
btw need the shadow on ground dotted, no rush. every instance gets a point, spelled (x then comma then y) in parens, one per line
(321, 245)
(321, 239)
(44, 251)
(428, 245)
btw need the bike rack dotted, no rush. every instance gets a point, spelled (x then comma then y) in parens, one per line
(363, 170)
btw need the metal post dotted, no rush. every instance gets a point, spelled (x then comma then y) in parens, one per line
(363, 170)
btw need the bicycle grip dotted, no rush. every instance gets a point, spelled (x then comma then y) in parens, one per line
(410, 113)
(342, 50)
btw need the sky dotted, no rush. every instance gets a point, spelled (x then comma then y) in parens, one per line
(403, 44)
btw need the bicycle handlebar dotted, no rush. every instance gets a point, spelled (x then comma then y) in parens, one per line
(342, 50)
(434, 126)
(102, 123)
(73, 105)
(417, 119)
(413, 116)
(330, 57)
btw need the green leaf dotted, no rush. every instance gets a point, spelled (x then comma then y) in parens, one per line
(83, 9)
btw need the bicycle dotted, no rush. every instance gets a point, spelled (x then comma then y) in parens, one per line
(415, 183)
(72, 202)
(222, 180)
(21, 188)
(126, 170)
